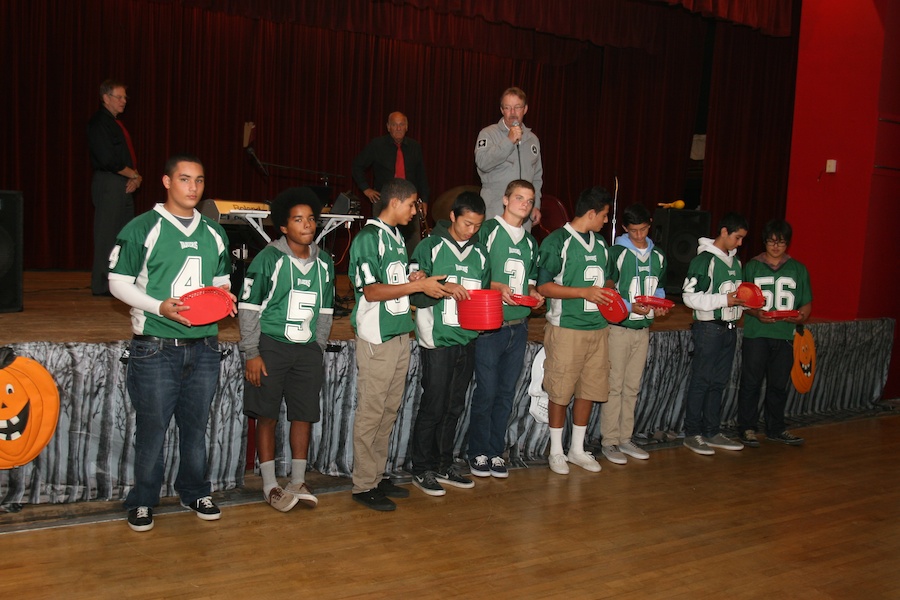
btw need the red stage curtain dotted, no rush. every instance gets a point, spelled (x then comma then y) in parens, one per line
(198, 69)
(749, 132)
(772, 17)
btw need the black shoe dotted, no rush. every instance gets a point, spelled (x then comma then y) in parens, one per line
(205, 508)
(427, 482)
(141, 518)
(387, 487)
(786, 437)
(375, 500)
(450, 476)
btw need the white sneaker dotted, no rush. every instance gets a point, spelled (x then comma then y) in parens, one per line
(585, 460)
(558, 464)
(614, 455)
(633, 451)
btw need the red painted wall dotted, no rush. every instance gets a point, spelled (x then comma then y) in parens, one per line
(846, 223)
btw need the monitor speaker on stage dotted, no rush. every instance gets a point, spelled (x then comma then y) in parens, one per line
(11, 207)
(676, 232)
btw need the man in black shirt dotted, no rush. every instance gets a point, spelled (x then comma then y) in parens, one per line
(381, 155)
(115, 178)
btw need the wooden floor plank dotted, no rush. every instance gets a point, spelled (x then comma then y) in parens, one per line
(818, 521)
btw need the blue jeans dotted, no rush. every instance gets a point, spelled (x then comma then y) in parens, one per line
(498, 364)
(769, 360)
(165, 380)
(446, 374)
(711, 366)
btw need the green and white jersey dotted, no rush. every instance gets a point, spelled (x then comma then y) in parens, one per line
(785, 288)
(378, 255)
(573, 261)
(289, 293)
(513, 254)
(437, 324)
(636, 272)
(165, 259)
(711, 276)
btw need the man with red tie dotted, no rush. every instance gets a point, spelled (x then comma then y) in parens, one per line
(390, 156)
(115, 178)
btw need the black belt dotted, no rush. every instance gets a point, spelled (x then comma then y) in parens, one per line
(168, 341)
(721, 323)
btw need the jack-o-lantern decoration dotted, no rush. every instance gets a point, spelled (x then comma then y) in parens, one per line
(29, 409)
(804, 370)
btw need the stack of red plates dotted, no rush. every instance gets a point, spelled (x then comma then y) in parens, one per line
(529, 301)
(751, 295)
(483, 311)
(616, 311)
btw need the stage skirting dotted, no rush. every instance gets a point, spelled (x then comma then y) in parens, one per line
(90, 456)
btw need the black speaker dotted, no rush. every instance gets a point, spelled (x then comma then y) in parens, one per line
(11, 207)
(676, 232)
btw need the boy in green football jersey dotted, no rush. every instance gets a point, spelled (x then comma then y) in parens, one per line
(173, 368)
(572, 270)
(447, 350)
(710, 288)
(636, 268)
(285, 315)
(499, 354)
(382, 321)
(767, 350)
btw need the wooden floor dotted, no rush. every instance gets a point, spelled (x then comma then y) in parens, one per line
(818, 521)
(59, 307)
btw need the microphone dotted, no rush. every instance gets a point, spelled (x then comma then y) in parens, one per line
(516, 124)
(258, 163)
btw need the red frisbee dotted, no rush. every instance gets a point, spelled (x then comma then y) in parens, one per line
(781, 314)
(616, 311)
(521, 300)
(207, 305)
(751, 295)
(654, 302)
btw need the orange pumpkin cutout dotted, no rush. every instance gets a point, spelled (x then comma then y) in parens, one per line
(804, 370)
(29, 411)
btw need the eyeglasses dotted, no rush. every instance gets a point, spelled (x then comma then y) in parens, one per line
(517, 107)
(776, 243)
(125, 98)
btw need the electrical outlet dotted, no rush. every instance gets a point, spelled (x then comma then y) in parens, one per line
(831, 166)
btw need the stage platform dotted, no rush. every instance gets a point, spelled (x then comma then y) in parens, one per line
(80, 338)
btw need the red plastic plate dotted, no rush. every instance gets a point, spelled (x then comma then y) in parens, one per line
(521, 300)
(781, 314)
(654, 302)
(616, 311)
(207, 305)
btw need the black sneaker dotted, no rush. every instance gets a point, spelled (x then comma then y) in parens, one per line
(428, 484)
(479, 466)
(498, 468)
(748, 438)
(387, 487)
(449, 476)
(141, 518)
(205, 508)
(786, 437)
(375, 500)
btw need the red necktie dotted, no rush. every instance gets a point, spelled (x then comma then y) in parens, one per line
(399, 166)
(130, 145)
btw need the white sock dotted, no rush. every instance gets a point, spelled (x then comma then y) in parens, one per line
(556, 446)
(298, 470)
(578, 432)
(267, 470)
